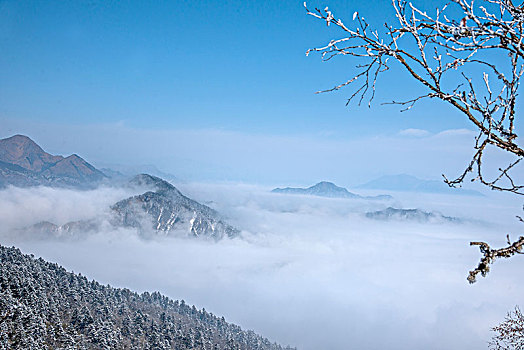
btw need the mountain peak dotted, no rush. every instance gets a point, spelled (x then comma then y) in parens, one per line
(19, 137)
(329, 189)
(323, 189)
(21, 142)
(326, 189)
(327, 185)
(22, 151)
(151, 181)
(170, 212)
(23, 162)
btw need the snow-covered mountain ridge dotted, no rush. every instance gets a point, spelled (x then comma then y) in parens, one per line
(169, 211)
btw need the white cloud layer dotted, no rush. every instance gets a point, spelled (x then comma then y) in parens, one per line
(310, 272)
(22, 207)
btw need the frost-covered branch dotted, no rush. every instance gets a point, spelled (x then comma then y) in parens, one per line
(470, 55)
(490, 255)
(510, 333)
(442, 53)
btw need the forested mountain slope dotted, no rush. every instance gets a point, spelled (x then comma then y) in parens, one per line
(42, 306)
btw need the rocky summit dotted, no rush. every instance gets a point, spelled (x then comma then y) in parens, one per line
(163, 209)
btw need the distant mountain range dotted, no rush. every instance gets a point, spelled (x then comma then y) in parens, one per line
(326, 189)
(161, 210)
(23, 163)
(410, 215)
(45, 307)
(408, 183)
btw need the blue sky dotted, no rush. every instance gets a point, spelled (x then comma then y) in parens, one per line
(218, 64)
(200, 66)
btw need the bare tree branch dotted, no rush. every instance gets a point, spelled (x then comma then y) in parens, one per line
(444, 52)
(490, 255)
(510, 333)
(443, 48)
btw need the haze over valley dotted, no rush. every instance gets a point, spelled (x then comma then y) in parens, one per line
(259, 175)
(328, 268)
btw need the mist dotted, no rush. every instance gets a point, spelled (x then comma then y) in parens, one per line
(309, 272)
(264, 158)
(20, 207)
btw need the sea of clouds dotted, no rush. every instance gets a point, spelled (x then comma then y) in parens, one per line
(310, 272)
